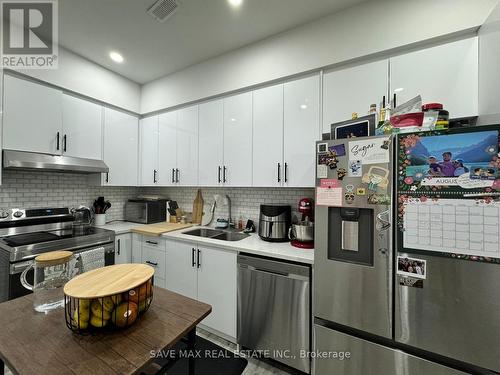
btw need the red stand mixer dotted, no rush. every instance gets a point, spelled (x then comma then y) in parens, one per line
(302, 233)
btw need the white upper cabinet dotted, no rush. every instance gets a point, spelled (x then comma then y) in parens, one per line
(167, 148)
(211, 153)
(82, 128)
(446, 74)
(353, 89)
(268, 136)
(32, 118)
(187, 146)
(237, 170)
(148, 136)
(120, 148)
(301, 131)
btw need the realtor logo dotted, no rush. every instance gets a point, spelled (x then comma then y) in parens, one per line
(29, 34)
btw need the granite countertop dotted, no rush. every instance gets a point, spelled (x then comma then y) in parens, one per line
(252, 245)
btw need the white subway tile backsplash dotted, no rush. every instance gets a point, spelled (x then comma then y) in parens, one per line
(49, 189)
(245, 202)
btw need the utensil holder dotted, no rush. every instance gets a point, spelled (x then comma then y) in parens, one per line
(99, 219)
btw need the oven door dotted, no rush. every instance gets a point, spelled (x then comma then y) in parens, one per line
(17, 290)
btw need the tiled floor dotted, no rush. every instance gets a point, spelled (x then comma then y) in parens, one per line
(254, 367)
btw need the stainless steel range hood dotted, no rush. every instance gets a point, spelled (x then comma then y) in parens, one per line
(32, 160)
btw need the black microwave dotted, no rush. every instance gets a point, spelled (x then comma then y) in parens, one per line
(146, 211)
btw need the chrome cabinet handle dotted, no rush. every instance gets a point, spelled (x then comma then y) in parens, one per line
(219, 174)
(224, 174)
(176, 175)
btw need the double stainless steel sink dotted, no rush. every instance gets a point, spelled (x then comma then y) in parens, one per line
(216, 234)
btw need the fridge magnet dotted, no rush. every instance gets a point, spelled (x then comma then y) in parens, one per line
(360, 191)
(449, 159)
(331, 197)
(412, 267)
(341, 173)
(321, 171)
(329, 183)
(322, 159)
(376, 177)
(322, 148)
(339, 150)
(379, 199)
(411, 282)
(369, 151)
(355, 168)
(349, 195)
(386, 144)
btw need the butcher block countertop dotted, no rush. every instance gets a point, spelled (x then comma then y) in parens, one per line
(157, 229)
(37, 343)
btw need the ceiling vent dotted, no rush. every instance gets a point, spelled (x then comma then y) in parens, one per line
(163, 9)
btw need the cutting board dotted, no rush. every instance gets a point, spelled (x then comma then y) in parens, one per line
(198, 208)
(159, 228)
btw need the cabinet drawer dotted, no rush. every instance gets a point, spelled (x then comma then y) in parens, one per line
(156, 259)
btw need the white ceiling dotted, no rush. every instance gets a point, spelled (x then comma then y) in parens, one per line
(199, 30)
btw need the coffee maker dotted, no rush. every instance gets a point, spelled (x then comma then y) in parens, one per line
(302, 233)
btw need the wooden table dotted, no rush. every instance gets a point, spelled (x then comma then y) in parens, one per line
(37, 343)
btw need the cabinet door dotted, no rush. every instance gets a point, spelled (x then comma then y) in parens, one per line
(82, 128)
(32, 117)
(120, 148)
(149, 135)
(182, 274)
(238, 140)
(268, 136)
(445, 74)
(136, 248)
(167, 151)
(301, 131)
(217, 287)
(210, 157)
(187, 146)
(123, 248)
(353, 90)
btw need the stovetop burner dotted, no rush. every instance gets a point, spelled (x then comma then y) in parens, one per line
(24, 239)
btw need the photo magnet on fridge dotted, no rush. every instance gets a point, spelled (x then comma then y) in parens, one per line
(339, 150)
(355, 168)
(412, 267)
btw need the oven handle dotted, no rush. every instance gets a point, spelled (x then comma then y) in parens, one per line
(20, 267)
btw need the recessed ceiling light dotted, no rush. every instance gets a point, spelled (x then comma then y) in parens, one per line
(116, 57)
(235, 3)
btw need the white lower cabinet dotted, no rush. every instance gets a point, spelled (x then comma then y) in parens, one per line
(150, 250)
(217, 284)
(123, 248)
(208, 275)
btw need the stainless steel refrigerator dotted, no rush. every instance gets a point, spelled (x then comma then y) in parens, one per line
(354, 266)
(448, 226)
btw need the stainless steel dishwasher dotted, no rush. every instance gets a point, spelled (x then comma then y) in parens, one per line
(274, 309)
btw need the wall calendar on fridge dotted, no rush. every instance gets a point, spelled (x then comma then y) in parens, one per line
(449, 193)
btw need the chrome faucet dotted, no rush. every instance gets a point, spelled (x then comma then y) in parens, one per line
(229, 210)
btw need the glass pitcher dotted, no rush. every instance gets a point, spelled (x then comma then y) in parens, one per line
(51, 271)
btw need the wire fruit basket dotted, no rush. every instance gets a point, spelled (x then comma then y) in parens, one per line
(108, 298)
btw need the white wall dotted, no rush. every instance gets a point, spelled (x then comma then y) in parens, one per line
(87, 78)
(366, 29)
(489, 69)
